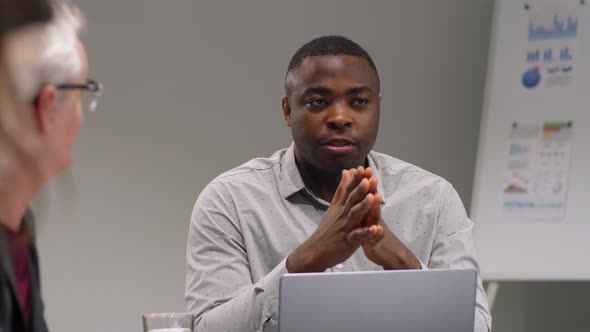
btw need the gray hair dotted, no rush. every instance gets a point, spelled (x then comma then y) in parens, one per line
(58, 61)
(59, 55)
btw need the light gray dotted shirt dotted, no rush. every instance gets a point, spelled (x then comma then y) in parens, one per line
(248, 220)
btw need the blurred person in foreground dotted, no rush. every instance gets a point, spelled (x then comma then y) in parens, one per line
(21, 24)
(56, 107)
(326, 203)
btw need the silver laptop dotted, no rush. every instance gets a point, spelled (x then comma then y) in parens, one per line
(375, 301)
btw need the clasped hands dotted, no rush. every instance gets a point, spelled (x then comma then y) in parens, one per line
(352, 221)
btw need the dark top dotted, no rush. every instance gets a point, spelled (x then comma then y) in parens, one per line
(21, 307)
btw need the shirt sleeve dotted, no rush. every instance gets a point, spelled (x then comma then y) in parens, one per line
(454, 248)
(220, 291)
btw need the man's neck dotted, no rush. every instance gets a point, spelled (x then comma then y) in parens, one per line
(17, 189)
(322, 184)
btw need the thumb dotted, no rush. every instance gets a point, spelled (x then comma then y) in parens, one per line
(379, 233)
(360, 235)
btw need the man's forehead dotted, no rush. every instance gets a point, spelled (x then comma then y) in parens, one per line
(315, 70)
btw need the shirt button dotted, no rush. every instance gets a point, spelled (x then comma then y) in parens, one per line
(339, 266)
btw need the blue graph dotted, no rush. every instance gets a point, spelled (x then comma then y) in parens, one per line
(560, 29)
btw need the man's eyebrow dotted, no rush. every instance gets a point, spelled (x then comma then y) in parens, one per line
(317, 90)
(358, 90)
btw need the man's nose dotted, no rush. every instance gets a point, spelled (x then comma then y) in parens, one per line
(339, 117)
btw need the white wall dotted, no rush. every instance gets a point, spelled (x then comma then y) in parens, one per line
(193, 88)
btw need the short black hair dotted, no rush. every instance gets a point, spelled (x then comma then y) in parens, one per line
(329, 45)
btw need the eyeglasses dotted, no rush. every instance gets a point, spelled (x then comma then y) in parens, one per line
(92, 88)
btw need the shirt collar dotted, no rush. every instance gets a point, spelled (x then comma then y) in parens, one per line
(376, 172)
(291, 181)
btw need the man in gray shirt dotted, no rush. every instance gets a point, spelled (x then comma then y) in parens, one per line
(313, 206)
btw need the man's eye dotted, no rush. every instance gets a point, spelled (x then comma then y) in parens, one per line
(360, 101)
(316, 102)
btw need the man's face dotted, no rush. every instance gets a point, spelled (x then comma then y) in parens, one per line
(68, 116)
(332, 107)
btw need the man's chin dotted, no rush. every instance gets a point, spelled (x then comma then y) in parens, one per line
(337, 166)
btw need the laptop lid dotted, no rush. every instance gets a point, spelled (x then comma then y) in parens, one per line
(401, 301)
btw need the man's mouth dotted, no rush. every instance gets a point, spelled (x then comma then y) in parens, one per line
(338, 145)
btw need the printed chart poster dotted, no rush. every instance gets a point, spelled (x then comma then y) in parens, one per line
(548, 62)
(537, 171)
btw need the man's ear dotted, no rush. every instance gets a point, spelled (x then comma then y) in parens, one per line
(45, 108)
(287, 111)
